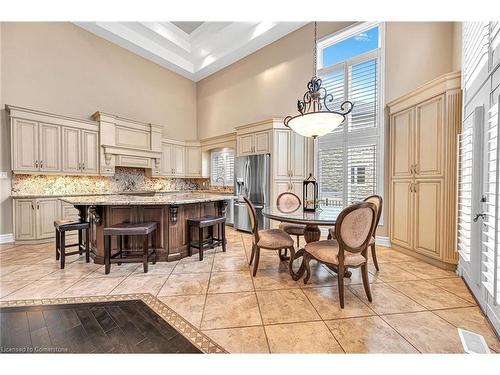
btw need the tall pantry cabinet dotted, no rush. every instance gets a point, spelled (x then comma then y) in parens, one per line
(424, 125)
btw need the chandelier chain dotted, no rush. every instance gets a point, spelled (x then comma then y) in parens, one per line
(315, 50)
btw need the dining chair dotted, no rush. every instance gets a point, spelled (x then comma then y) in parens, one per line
(289, 202)
(269, 239)
(353, 230)
(377, 200)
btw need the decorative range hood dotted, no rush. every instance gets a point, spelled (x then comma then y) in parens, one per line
(127, 143)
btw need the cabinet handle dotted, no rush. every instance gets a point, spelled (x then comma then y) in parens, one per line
(36, 164)
(83, 166)
(32, 206)
(38, 206)
(41, 164)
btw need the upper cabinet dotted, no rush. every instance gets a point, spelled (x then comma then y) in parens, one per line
(193, 161)
(253, 143)
(51, 144)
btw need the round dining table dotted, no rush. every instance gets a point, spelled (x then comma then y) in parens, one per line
(324, 216)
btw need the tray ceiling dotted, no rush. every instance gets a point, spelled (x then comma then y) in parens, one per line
(192, 49)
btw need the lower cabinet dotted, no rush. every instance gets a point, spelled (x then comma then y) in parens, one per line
(34, 218)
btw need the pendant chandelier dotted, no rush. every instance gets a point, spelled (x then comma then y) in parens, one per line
(315, 118)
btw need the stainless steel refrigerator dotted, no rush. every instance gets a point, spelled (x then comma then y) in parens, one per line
(251, 180)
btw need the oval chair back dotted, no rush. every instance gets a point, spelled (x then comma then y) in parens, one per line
(252, 213)
(378, 201)
(288, 202)
(354, 228)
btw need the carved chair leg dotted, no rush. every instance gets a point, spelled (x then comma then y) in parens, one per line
(374, 257)
(257, 256)
(87, 245)
(366, 283)
(252, 255)
(298, 242)
(329, 237)
(145, 252)
(307, 259)
(107, 254)
(292, 257)
(341, 285)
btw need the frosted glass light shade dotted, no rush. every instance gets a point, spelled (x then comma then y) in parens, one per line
(315, 124)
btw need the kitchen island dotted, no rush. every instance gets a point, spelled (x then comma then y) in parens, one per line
(169, 210)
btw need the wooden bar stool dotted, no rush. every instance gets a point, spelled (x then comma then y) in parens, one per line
(211, 242)
(63, 226)
(127, 229)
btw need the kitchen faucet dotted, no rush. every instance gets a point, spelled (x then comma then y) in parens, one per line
(223, 182)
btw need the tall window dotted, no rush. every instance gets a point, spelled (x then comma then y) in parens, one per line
(222, 167)
(350, 158)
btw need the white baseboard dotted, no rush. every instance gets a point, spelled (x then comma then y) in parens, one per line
(383, 241)
(6, 238)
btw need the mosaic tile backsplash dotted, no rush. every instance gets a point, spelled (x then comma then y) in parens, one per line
(124, 180)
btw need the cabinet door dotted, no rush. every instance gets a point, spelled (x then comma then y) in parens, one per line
(179, 166)
(246, 144)
(427, 217)
(25, 219)
(49, 147)
(25, 145)
(262, 142)
(193, 161)
(69, 212)
(167, 166)
(429, 129)
(297, 188)
(401, 213)
(298, 159)
(282, 154)
(90, 152)
(402, 144)
(70, 150)
(46, 212)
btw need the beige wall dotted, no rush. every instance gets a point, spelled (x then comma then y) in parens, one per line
(63, 69)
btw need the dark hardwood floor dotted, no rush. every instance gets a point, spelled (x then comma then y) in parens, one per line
(105, 327)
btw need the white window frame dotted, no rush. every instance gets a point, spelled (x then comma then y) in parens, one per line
(361, 137)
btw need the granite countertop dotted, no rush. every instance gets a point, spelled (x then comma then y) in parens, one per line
(28, 196)
(153, 199)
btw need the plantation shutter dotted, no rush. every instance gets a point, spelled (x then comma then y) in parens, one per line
(334, 83)
(222, 166)
(475, 54)
(363, 92)
(491, 220)
(361, 172)
(464, 216)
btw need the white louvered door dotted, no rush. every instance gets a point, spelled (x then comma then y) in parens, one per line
(490, 253)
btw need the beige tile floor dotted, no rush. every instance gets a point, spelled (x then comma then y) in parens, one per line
(416, 307)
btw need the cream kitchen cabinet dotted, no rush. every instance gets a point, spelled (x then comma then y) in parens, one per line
(80, 151)
(34, 218)
(36, 147)
(422, 195)
(253, 143)
(51, 144)
(289, 155)
(172, 160)
(193, 161)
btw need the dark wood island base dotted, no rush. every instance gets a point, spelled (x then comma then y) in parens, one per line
(172, 232)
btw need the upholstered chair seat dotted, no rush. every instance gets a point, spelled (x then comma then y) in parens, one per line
(327, 251)
(354, 231)
(270, 239)
(274, 239)
(377, 201)
(294, 229)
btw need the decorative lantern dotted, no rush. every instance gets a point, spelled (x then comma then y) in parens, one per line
(310, 193)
